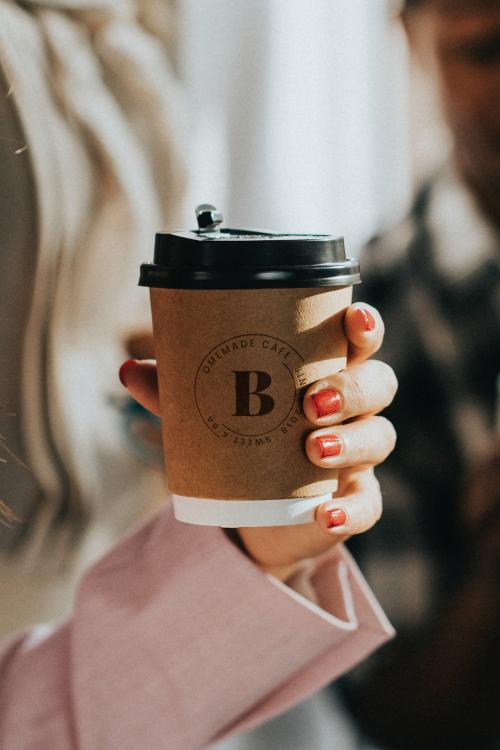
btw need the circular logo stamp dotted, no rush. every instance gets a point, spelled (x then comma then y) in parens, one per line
(247, 387)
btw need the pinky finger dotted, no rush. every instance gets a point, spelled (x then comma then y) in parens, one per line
(356, 511)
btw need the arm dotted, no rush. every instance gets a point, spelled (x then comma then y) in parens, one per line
(150, 637)
(178, 634)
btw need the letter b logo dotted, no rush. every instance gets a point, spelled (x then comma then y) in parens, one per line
(252, 393)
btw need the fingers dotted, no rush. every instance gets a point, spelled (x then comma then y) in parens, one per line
(139, 377)
(364, 329)
(364, 442)
(365, 388)
(356, 511)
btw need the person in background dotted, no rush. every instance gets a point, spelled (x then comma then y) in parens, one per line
(178, 635)
(435, 559)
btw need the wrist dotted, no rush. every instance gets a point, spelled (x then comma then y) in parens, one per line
(282, 572)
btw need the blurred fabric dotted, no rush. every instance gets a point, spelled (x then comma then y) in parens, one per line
(91, 167)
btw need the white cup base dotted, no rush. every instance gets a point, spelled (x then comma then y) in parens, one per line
(240, 513)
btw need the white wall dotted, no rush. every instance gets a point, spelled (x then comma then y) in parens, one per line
(298, 113)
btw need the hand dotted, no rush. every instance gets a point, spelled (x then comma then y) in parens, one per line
(347, 401)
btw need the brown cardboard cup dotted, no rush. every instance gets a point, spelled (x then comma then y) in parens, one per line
(233, 365)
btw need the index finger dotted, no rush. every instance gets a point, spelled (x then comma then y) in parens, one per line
(364, 329)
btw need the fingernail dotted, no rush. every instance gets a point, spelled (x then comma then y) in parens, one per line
(366, 319)
(327, 402)
(122, 372)
(330, 445)
(335, 518)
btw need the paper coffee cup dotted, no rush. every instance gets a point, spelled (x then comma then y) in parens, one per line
(243, 323)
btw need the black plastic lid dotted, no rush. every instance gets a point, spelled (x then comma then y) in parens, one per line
(248, 259)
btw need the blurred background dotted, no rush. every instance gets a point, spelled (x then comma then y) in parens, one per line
(295, 116)
(301, 116)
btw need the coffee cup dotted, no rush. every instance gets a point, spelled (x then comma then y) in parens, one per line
(244, 321)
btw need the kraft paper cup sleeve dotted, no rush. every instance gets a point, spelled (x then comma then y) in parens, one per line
(271, 344)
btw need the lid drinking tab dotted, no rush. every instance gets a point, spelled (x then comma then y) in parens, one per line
(208, 218)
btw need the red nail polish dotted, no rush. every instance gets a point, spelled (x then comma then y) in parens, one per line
(335, 518)
(330, 445)
(366, 319)
(122, 372)
(327, 402)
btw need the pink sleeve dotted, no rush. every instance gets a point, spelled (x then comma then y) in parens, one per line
(178, 639)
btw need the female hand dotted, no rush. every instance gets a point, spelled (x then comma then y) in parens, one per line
(346, 434)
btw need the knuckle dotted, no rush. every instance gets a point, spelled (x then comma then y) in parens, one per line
(390, 379)
(385, 375)
(354, 394)
(390, 434)
(374, 508)
(378, 505)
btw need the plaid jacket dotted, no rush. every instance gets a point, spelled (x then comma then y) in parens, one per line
(436, 280)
